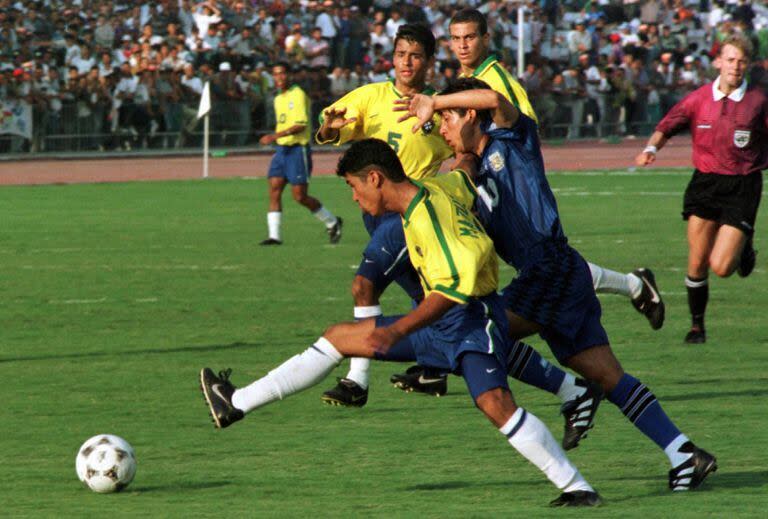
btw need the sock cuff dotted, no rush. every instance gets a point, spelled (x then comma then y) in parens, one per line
(695, 283)
(514, 423)
(364, 312)
(273, 213)
(325, 347)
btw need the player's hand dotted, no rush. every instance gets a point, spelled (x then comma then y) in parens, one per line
(644, 158)
(268, 139)
(335, 118)
(381, 340)
(420, 106)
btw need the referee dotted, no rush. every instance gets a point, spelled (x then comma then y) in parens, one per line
(728, 121)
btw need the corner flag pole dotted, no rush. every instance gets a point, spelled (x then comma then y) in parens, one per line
(204, 110)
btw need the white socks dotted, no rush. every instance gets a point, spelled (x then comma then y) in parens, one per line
(273, 223)
(532, 439)
(569, 390)
(673, 453)
(325, 216)
(298, 373)
(612, 282)
(359, 366)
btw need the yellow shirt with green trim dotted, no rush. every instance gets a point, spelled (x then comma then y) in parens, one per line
(420, 153)
(499, 79)
(446, 243)
(292, 108)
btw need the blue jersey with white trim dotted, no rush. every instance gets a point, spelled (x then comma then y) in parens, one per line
(514, 201)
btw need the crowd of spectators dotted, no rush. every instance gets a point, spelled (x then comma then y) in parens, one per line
(106, 74)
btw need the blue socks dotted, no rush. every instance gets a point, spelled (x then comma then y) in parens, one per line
(640, 406)
(526, 365)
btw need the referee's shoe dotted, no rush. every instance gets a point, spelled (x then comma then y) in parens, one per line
(649, 302)
(747, 261)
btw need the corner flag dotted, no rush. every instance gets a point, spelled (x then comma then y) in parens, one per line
(205, 101)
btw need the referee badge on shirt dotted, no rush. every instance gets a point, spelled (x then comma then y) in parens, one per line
(741, 138)
(290, 105)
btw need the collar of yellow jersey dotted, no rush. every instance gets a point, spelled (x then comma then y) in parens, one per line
(428, 90)
(490, 60)
(420, 195)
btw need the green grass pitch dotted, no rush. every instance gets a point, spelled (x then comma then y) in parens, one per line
(115, 295)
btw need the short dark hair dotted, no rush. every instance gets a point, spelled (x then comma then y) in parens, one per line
(367, 154)
(468, 83)
(417, 33)
(283, 64)
(471, 16)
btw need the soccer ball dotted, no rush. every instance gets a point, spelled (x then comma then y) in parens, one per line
(106, 463)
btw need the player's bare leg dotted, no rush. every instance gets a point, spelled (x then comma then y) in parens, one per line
(332, 223)
(274, 216)
(531, 438)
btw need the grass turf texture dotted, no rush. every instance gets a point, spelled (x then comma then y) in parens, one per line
(115, 295)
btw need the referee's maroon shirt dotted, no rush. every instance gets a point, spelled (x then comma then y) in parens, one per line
(730, 134)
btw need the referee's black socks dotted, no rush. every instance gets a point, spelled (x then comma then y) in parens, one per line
(698, 295)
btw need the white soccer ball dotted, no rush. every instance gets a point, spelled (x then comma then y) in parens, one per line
(106, 463)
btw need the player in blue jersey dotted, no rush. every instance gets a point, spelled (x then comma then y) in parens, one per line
(552, 294)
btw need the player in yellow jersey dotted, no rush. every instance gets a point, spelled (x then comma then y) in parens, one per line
(292, 162)
(459, 326)
(470, 44)
(367, 112)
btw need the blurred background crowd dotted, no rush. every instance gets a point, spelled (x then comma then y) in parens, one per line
(80, 75)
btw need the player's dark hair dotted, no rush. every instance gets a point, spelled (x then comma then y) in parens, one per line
(417, 33)
(471, 16)
(468, 83)
(283, 64)
(369, 154)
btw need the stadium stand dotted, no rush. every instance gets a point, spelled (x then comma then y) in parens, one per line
(87, 75)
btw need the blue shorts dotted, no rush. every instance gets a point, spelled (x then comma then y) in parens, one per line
(385, 258)
(293, 163)
(557, 293)
(479, 327)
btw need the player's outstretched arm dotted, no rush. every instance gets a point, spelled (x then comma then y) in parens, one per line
(423, 107)
(272, 137)
(432, 308)
(648, 155)
(333, 120)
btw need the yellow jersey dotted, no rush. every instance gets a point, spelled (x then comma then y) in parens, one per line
(447, 245)
(292, 108)
(499, 79)
(420, 153)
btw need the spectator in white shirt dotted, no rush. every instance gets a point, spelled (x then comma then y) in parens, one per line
(394, 23)
(206, 15)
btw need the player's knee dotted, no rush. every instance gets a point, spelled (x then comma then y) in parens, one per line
(722, 267)
(497, 405)
(363, 292)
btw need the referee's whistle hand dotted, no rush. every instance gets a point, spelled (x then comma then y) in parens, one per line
(644, 159)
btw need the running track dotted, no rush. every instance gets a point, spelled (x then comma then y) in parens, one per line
(577, 156)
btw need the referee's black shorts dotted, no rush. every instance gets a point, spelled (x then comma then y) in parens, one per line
(727, 199)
